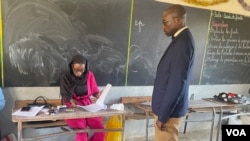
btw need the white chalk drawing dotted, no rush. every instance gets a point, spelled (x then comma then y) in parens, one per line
(139, 24)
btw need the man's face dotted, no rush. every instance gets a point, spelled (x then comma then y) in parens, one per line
(169, 24)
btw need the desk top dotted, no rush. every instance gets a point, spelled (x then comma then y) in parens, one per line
(77, 113)
(195, 104)
(209, 103)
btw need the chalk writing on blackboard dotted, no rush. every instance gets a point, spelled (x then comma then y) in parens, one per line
(227, 51)
(140, 24)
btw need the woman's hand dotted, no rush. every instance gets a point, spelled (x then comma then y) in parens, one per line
(98, 94)
(73, 102)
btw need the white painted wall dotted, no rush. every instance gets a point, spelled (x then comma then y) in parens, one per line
(133, 127)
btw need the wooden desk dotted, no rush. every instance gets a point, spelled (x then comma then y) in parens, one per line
(198, 106)
(77, 113)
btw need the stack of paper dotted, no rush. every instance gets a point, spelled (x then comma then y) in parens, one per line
(119, 106)
(99, 104)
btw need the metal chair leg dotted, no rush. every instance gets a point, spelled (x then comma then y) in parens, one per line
(185, 126)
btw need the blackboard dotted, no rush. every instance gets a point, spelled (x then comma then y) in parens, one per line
(41, 37)
(122, 39)
(148, 41)
(227, 55)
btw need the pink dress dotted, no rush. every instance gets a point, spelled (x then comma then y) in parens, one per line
(81, 123)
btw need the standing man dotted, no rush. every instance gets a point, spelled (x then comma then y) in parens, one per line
(170, 92)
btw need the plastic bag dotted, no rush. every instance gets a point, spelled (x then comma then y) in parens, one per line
(232, 98)
(114, 122)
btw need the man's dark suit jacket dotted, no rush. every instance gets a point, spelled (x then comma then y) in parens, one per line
(170, 92)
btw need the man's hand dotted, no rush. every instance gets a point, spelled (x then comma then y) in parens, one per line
(160, 125)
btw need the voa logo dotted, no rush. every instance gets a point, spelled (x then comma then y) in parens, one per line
(236, 132)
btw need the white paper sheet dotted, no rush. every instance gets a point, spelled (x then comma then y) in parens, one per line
(94, 107)
(101, 99)
(31, 113)
(147, 103)
(99, 104)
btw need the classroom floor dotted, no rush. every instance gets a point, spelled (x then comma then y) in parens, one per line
(201, 135)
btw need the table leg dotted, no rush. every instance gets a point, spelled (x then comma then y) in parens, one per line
(147, 124)
(219, 124)
(185, 126)
(123, 127)
(19, 131)
(212, 125)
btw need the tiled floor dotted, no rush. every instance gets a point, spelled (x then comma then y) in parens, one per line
(201, 135)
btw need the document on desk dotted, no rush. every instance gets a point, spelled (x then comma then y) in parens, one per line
(99, 104)
(34, 110)
(148, 103)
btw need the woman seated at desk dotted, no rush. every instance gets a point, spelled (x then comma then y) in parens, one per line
(76, 87)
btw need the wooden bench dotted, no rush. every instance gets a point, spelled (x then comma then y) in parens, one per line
(44, 124)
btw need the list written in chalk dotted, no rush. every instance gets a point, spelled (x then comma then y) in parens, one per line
(227, 55)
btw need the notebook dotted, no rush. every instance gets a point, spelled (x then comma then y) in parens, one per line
(99, 104)
(31, 113)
